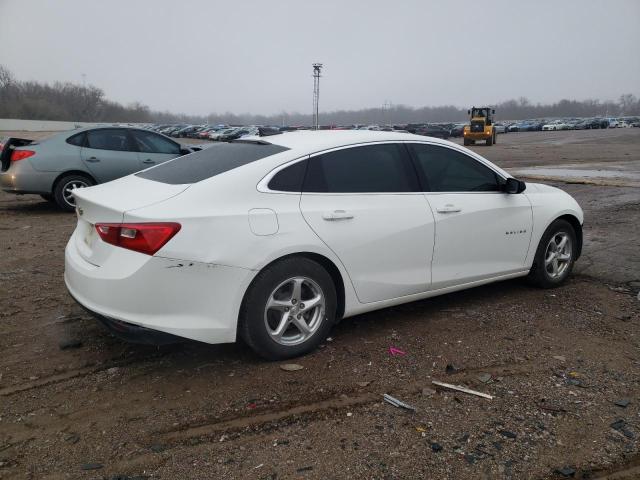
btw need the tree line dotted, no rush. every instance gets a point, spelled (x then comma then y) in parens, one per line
(72, 102)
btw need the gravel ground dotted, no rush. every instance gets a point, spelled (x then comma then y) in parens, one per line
(78, 403)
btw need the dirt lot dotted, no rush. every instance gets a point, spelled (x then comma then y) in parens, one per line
(556, 362)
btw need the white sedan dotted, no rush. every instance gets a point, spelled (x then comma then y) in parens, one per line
(273, 239)
(557, 125)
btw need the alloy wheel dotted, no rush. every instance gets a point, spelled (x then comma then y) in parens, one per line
(294, 311)
(67, 190)
(557, 257)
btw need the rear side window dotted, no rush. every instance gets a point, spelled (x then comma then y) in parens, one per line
(77, 139)
(149, 142)
(289, 179)
(210, 162)
(444, 169)
(366, 169)
(109, 139)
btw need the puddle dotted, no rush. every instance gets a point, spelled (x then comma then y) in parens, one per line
(579, 173)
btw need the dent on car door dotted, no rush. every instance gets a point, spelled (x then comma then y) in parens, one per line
(153, 148)
(364, 204)
(108, 154)
(481, 232)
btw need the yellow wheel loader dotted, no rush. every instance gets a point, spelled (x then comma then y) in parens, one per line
(480, 126)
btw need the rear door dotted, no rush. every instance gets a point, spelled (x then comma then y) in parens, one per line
(364, 204)
(481, 232)
(153, 148)
(108, 153)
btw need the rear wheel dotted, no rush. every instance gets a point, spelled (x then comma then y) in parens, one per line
(555, 255)
(289, 309)
(467, 142)
(63, 191)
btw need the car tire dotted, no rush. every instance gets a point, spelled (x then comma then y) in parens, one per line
(467, 142)
(64, 186)
(489, 141)
(274, 320)
(556, 252)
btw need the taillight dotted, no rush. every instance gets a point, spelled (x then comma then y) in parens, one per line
(145, 238)
(21, 154)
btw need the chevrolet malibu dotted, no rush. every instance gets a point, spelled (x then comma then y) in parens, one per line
(273, 239)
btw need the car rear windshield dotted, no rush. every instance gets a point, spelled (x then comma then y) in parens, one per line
(210, 162)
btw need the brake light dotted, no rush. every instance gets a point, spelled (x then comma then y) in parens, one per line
(21, 154)
(145, 238)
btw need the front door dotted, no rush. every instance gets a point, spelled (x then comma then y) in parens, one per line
(364, 204)
(481, 232)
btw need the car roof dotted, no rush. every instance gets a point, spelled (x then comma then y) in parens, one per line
(307, 141)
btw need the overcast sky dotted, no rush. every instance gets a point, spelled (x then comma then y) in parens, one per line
(255, 56)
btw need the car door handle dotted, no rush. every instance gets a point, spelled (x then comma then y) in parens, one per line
(93, 159)
(337, 215)
(148, 161)
(448, 208)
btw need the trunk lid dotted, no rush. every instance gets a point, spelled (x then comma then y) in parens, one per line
(7, 146)
(107, 203)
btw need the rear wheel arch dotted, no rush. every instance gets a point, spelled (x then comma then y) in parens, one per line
(323, 261)
(71, 172)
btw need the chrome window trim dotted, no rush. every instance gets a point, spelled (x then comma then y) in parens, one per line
(263, 185)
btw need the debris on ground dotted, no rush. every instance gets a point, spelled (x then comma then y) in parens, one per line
(566, 471)
(462, 389)
(624, 403)
(69, 343)
(393, 351)
(484, 377)
(450, 369)
(560, 358)
(436, 447)
(397, 403)
(291, 367)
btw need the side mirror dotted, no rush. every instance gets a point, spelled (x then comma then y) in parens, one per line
(513, 185)
(468, 112)
(493, 111)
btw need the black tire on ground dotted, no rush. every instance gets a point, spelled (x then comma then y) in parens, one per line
(467, 142)
(495, 137)
(63, 186)
(252, 321)
(48, 197)
(490, 141)
(539, 274)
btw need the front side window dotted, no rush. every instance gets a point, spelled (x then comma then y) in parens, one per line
(149, 142)
(444, 169)
(365, 169)
(109, 139)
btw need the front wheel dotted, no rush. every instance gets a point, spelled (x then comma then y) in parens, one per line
(289, 309)
(555, 256)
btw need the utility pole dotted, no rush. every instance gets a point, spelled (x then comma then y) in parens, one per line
(317, 68)
(386, 107)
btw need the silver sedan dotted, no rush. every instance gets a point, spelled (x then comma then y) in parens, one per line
(54, 167)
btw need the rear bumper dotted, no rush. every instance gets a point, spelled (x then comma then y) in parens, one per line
(183, 299)
(21, 177)
(133, 333)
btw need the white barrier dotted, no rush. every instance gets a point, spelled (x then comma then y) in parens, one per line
(12, 124)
